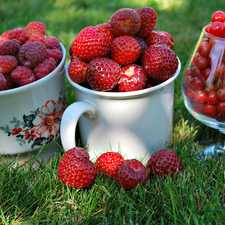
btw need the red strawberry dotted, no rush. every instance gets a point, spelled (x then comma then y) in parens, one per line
(160, 62)
(133, 78)
(106, 30)
(131, 172)
(77, 71)
(7, 63)
(125, 21)
(160, 37)
(164, 162)
(148, 20)
(106, 163)
(76, 169)
(103, 74)
(125, 50)
(90, 43)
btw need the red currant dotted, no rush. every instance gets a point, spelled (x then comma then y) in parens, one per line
(204, 48)
(200, 96)
(221, 107)
(218, 16)
(217, 29)
(220, 117)
(206, 72)
(198, 107)
(190, 93)
(197, 83)
(210, 110)
(221, 94)
(187, 81)
(212, 98)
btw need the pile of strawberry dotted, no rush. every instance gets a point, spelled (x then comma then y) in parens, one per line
(27, 55)
(204, 79)
(78, 171)
(123, 54)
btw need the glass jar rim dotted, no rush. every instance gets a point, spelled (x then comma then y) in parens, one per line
(211, 35)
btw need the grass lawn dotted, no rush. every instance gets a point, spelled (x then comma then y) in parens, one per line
(29, 196)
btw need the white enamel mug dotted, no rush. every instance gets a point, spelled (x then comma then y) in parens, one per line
(135, 123)
(30, 117)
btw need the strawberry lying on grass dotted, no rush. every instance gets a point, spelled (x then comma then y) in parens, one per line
(125, 39)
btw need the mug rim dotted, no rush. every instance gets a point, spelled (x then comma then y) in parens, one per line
(37, 82)
(123, 94)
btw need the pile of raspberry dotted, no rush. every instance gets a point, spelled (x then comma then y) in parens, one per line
(27, 55)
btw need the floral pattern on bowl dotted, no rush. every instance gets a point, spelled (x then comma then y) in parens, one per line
(40, 126)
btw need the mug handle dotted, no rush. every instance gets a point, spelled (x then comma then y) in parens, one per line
(70, 118)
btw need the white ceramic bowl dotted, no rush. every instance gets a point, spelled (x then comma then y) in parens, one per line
(140, 122)
(30, 116)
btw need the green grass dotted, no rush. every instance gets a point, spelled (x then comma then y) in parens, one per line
(36, 196)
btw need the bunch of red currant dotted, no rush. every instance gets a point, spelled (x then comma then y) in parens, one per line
(217, 25)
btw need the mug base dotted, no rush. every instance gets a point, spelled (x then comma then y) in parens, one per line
(37, 157)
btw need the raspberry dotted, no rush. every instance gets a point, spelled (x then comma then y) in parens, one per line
(2, 82)
(5, 35)
(31, 54)
(10, 47)
(44, 68)
(36, 37)
(35, 28)
(7, 63)
(19, 34)
(22, 75)
(52, 42)
(10, 84)
(56, 54)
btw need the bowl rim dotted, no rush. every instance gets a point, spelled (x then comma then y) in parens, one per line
(37, 82)
(208, 35)
(119, 95)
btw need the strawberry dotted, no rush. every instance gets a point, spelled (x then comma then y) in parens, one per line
(133, 78)
(102, 74)
(106, 30)
(90, 43)
(131, 172)
(76, 169)
(160, 62)
(125, 21)
(106, 163)
(125, 50)
(7, 63)
(148, 21)
(160, 37)
(164, 162)
(77, 71)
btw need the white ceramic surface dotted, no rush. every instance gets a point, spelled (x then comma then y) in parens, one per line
(30, 116)
(140, 122)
